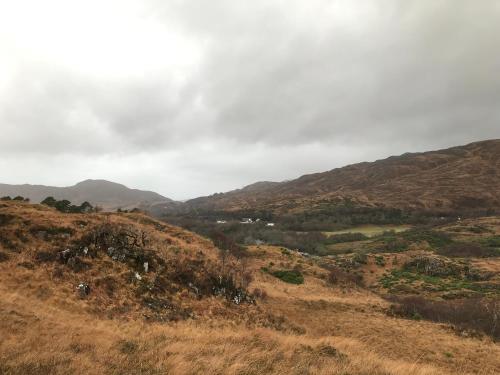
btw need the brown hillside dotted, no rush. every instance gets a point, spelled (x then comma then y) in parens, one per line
(176, 319)
(134, 266)
(459, 178)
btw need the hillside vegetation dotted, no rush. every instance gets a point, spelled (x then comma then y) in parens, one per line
(458, 179)
(102, 293)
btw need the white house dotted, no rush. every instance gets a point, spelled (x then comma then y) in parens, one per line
(270, 225)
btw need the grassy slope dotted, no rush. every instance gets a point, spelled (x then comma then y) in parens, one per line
(46, 328)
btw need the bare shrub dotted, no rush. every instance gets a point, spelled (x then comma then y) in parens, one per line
(476, 314)
(346, 237)
(52, 231)
(128, 347)
(468, 249)
(5, 219)
(259, 293)
(108, 283)
(45, 256)
(7, 243)
(338, 276)
(432, 266)
(227, 245)
(58, 273)
(3, 257)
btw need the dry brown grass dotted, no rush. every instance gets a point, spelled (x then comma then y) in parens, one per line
(314, 328)
(47, 340)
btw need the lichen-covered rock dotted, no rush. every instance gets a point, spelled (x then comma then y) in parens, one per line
(83, 290)
(120, 243)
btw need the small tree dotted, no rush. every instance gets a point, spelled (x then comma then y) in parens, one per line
(6, 198)
(49, 201)
(86, 207)
(63, 206)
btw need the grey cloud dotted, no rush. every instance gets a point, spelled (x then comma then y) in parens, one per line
(417, 69)
(281, 88)
(57, 112)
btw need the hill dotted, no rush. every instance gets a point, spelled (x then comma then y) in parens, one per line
(116, 293)
(106, 194)
(464, 178)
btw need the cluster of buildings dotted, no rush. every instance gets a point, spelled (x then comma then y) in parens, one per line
(246, 220)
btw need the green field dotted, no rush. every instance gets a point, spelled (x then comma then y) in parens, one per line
(371, 230)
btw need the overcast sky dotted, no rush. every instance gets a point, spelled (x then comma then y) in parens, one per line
(188, 98)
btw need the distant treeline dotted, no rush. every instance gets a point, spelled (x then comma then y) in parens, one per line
(314, 242)
(65, 205)
(327, 217)
(304, 230)
(18, 198)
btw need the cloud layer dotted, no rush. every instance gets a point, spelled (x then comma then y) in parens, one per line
(192, 97)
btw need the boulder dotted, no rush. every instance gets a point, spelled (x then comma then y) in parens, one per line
(83, 290)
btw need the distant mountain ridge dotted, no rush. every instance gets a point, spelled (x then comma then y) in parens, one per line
(459, 178)
(109, 195)
(462, 178)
